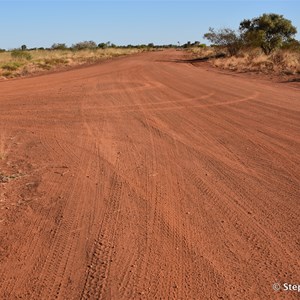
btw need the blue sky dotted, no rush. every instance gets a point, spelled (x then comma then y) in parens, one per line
(42, 23)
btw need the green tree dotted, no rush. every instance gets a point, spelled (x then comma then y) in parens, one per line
(102, 45)
(225, 38)
(268, 31)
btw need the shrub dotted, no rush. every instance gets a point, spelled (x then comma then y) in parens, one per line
(55, 61)
(43, 66)
(13, 66)
(85, 45)
(102, 45)
(7, 74)
(225, 38)
(19, 54)
(106, 45)
(59, 46)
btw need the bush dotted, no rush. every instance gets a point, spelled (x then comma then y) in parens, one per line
(11, 66)
(59, 46)
(55, 61)
(225, 38)
(102, 45)
(106, 45)
(85, 45)
(7, 74)
(19, 54)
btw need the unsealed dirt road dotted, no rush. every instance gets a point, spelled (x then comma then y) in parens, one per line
(145, 178)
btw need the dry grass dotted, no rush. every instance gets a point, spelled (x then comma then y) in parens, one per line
(199, 52)
(280, 62)
(285, 62)
(42, 60)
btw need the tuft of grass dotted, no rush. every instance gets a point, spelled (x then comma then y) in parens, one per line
(55, 61)
(43, 65)
(7, 74)
(11, 66)
(6, 178)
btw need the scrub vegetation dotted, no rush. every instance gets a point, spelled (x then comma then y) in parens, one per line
(21, 62)
(264, 44)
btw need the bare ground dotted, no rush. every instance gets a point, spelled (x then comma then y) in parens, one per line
(143, 178)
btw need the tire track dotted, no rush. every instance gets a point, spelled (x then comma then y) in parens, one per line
(96, 285)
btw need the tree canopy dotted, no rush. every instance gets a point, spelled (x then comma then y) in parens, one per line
(268, 31)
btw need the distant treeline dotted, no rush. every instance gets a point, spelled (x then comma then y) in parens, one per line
(94, 45)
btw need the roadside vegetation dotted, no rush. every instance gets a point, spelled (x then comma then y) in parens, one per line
(21, 62)
(265, 44)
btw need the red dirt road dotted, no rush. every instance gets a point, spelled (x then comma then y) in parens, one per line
(145, 178)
